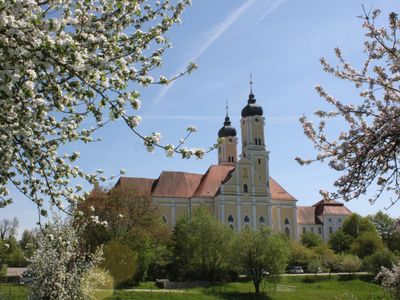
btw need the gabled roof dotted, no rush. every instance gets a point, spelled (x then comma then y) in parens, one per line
(176, 184)
(142, 185)
(278, 192)
(188, 185)
(212, 180)
(331, 207)
(313, 215)
(306, 215)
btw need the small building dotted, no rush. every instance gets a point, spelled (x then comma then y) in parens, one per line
(323, 218)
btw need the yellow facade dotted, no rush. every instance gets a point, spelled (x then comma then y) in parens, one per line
(245, 197)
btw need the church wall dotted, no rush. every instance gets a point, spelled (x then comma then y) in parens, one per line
(261, 210)
(275, 227)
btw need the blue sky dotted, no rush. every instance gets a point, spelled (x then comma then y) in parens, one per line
(280, 43)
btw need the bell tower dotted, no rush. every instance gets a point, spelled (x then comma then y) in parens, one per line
(227, 149)
(253, 139)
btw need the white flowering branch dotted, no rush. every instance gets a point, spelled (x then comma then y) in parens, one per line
(368, 153)
(65, 62)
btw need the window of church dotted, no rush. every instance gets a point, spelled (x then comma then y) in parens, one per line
(340, 220)
(304, 229)
(164, 219)
(330, 230)
(287, 231)
(231, 219)
(262, 220)
(256, 120)
(245, 188)
(246, 219)
(319, 230)
(230, 140)
(259, 161)
(330, 220)
(286, 221)
(256, 141)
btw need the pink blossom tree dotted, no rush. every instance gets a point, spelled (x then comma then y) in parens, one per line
(367, 154)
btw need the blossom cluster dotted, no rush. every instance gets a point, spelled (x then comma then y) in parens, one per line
(367, 152)
(64, 62)
(60, 268)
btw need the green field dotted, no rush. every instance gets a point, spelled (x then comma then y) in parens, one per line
(289, 288)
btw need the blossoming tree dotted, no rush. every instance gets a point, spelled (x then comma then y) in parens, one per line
(64, 62)
(368, 152)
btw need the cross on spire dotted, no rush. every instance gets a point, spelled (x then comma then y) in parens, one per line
(226, 107)
(251, 83)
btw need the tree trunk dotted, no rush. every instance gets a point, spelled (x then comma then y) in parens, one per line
(257, 286)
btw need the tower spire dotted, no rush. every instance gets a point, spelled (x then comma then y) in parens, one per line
(226, 108)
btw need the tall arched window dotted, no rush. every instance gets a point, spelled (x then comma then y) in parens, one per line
(286, 221)
(246, 219)
(231, 219)
(245, 188)
(262, 220)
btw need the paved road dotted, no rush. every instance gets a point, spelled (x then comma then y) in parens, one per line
(326, 274)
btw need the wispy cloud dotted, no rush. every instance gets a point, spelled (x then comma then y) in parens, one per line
(272, 6)
(211, 36)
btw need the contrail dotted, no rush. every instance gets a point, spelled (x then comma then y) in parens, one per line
(211, 37)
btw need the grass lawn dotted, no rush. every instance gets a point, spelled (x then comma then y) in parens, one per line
(10, 291)
(289, 288)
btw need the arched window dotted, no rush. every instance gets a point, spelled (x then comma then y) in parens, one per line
(256, 141)
(246, 219)
(259, 161)
(259, 141)
(262, 220)
(286, 221)
(231, 219)
(287, 231)
(164, 219)
(245, 188)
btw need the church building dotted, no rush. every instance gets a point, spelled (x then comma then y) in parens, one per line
(239, 190)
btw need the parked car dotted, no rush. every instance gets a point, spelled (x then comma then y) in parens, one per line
(296, 270)
(26, 278)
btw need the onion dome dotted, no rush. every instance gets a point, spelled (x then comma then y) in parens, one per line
(227, 129)
(252, 108)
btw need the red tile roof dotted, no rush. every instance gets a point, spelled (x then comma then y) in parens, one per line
(187, 185)
(278, 192)
(306, 215)
(212, 180)
(176, 184)
(314, 214)
(337, 210)
(142, 185)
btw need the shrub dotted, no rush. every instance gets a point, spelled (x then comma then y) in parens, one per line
(350, 263)
(382, 258)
